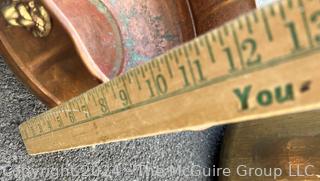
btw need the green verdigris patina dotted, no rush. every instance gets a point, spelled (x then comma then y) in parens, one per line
(101, 7)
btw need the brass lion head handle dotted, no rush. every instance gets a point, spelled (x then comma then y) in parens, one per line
(29, 14)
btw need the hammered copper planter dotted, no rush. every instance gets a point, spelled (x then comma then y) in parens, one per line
(92, 41)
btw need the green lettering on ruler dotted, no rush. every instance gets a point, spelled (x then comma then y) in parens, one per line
(243, 96)
(265, 97)
(284, 95)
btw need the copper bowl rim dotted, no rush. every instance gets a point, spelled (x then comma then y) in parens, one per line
(76, 41)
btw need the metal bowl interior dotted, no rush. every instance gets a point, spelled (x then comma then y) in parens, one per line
(92, 41)
(50, 66)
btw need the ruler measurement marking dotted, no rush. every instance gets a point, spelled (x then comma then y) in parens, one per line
(86, 107)
(220, 37)
(58, 119)
(162, 60)
(43, 125)
(190, 47)
(112, 89)
(78, 105)
(52, 119)
(248, 23)
(92, 96)
(154, 82)
(131, 75)
(106, 102)
(213, 36)
(180, 51)
(136, 78)
(305, 22)
(153, 63)
(168, 66)
(158, 65)
(49, 123)
(196, 47)
(272, 11)
(106, 87)
(146, 67)
(289, 3)
(128, 78)
(116, 82)
(210, 49)
(65, 110)
(71, 112)
(45, 120)
(185, 51)
(142, 71)
(36, 124)
(236, 40)
(240, 23)
(40, 126)
(32, 133)
(175, 53)
(266, 25)
(138, 71)
(282, 11)
(226, 30)
(170, 55)
(255, 17)
(126, 89)
(191, 71)
(32, 130)
(102, 91)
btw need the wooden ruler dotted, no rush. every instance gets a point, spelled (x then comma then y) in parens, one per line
(263, 64)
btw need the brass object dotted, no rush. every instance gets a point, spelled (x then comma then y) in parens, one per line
(29, 14)
(89, 42)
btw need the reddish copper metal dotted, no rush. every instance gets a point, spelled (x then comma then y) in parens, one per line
(209, 14)
(94, 40)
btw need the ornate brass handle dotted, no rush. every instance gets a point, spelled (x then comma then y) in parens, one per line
(29, 14)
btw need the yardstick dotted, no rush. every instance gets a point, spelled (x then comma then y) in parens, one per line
(263, 64)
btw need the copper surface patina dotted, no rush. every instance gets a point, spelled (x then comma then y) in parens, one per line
(61, 48)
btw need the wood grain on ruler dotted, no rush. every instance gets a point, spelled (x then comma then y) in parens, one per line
(265, 63)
